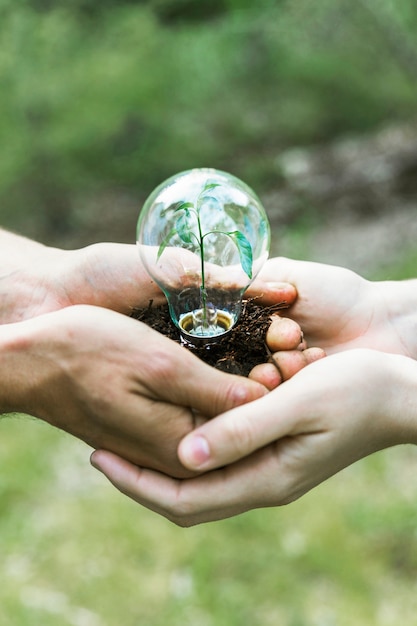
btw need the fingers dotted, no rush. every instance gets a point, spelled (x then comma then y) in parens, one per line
(283, 334)
(155, 491)
(284, 412)
(220, 392)
(290, 353)
(267, 374)
(179, 377)
(290, 362)
(213, 496)
(269, 293)
(151, 489)
(111, 275)
(237, 433)
(284, 365)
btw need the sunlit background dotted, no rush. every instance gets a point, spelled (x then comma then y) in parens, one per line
(313, 104)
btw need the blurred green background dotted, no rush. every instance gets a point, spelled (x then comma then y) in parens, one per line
(101, 101)
(314, 106)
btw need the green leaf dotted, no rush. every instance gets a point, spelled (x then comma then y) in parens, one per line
(203, 197)
(165, 242)
(208, 187)
(245, 251)
(183, 227)
(183, 206)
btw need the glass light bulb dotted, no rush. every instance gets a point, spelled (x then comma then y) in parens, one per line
(203, 236)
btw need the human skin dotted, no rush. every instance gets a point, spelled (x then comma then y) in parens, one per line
(37, 279)
(105, 378)
(112, 382)
(330, 414)
(338, 310)
(337, 410)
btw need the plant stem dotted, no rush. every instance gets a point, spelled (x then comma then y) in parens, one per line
(203, 277)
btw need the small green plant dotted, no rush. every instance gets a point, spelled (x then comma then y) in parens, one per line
(183, 229)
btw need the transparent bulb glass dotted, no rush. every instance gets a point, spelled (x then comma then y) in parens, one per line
(203, 236)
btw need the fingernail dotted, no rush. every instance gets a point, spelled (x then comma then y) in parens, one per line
(93, 461)
(282, 288)
(195, 452)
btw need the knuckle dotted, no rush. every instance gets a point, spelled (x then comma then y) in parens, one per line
(242, 390)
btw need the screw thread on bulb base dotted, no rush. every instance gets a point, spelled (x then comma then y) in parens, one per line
(204, 327)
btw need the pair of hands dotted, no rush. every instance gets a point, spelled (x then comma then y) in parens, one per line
(101, 376)
(120, 386)
(337, 410)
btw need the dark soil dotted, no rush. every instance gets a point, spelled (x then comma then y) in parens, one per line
(238, 351)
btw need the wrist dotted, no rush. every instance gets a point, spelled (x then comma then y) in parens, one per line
(28, 285)
(110, 275)
(14, 377)
(399, 300)
(31, 365)
(399, 399)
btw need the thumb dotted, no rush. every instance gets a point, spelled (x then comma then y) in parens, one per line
(240, 431)
(211, 391)
(177, 376)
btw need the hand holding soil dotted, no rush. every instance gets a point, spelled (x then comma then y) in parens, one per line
(341, 408)
(289, 353)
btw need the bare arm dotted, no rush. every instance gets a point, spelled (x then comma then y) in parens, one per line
(37, 279)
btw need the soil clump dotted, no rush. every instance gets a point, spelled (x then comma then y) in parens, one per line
(237, 351)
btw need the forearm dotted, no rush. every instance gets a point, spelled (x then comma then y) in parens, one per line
(37, 279)
(26, 285)
(15, 249)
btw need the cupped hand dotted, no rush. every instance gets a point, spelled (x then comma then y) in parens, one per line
(48, 279)
(332, 413)
(37, 279)
(114, 383)
(337, 309)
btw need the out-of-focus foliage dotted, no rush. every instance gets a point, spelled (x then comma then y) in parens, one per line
(74, 552)
(105, 94)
